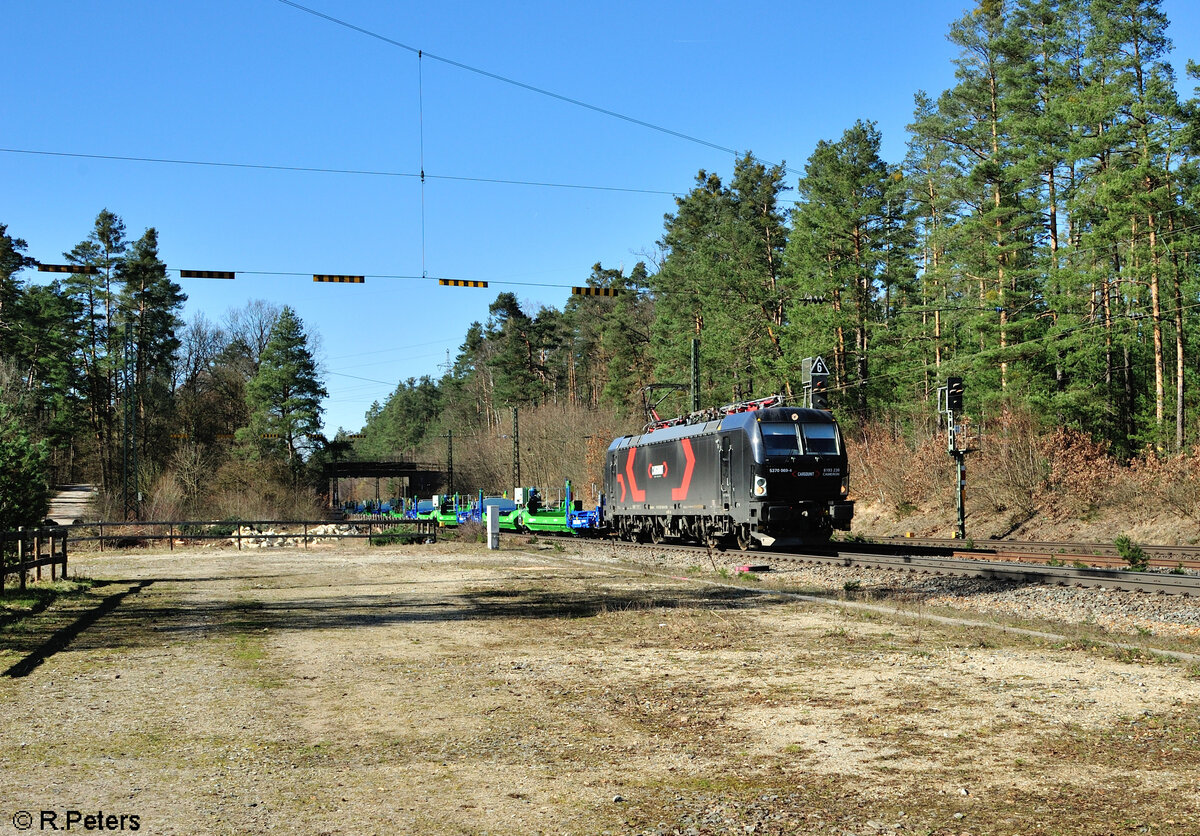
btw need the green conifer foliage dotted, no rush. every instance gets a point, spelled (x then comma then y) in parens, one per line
(284, 397)
(24, 491)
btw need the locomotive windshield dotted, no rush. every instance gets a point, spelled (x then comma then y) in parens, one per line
(791, 439)
(781, 439)
(820, 439)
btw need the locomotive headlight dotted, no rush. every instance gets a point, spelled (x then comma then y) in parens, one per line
(845, 486)
(760, 486)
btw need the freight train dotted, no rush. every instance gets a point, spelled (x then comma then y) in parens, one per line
(745, 474)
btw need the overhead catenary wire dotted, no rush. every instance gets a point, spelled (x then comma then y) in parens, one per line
(951, 366)
(347, 171)
(514, 82)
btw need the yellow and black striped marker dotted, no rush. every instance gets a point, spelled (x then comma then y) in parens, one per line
(206, 274)
(84, 269)
(461, 283)
(320, 277)
(595, 291)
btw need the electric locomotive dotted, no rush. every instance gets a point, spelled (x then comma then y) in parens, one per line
(752, 473)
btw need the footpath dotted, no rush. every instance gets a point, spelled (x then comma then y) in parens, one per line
(71, 503)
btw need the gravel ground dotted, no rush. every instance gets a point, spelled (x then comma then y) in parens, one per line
(446, 690)
(1117, 611)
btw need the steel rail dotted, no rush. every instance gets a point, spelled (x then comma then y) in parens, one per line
(1090, 577)
(1156, 582)
(1160, 554)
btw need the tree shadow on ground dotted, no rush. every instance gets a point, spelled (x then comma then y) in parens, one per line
(65, 628)
(113, 615)
(343, 612)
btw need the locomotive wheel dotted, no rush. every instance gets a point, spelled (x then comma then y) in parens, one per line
(627, 532)
(657, 534)
(744, 540)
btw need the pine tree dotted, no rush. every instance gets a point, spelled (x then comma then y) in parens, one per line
(284, 396)
(845, 251)
(626, 340)
(519, 369)
(24, 491)
(1133, 91)
(720, 282)
(151, 302)
(93, 305)
(12, 261)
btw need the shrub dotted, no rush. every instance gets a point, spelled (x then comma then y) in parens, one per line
(1014, 471)
(397, 534)
(1132, 553)
(1082, 472)
(903, 475)
(1174, 482)
(471, 532)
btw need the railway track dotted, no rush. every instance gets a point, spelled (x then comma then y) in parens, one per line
(1030, 551)
(1013, 571)
(908, 556)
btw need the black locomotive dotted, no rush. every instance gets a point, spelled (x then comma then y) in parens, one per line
(752, 473)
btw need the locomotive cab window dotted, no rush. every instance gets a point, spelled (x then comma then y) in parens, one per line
(820, 439)
(781, 439)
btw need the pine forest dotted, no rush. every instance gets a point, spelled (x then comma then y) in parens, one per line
(1039, 240)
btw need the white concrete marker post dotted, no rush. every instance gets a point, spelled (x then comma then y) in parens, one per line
(493, 527)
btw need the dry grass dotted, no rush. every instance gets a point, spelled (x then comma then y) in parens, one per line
(1026, 483)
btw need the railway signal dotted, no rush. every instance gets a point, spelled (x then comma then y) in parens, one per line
(950, 402)
(819, 395)
(954, 394)
(814, 376)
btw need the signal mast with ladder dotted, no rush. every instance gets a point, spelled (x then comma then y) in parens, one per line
(950, 403)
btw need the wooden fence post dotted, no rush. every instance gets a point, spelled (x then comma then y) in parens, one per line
(64, 548)
(53, 558)
(21, 555)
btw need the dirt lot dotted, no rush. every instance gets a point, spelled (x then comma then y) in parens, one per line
(445, 689)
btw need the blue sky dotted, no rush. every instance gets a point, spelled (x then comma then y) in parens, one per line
(260, 82)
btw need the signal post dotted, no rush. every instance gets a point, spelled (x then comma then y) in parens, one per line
(814, 376)
(950, 403)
